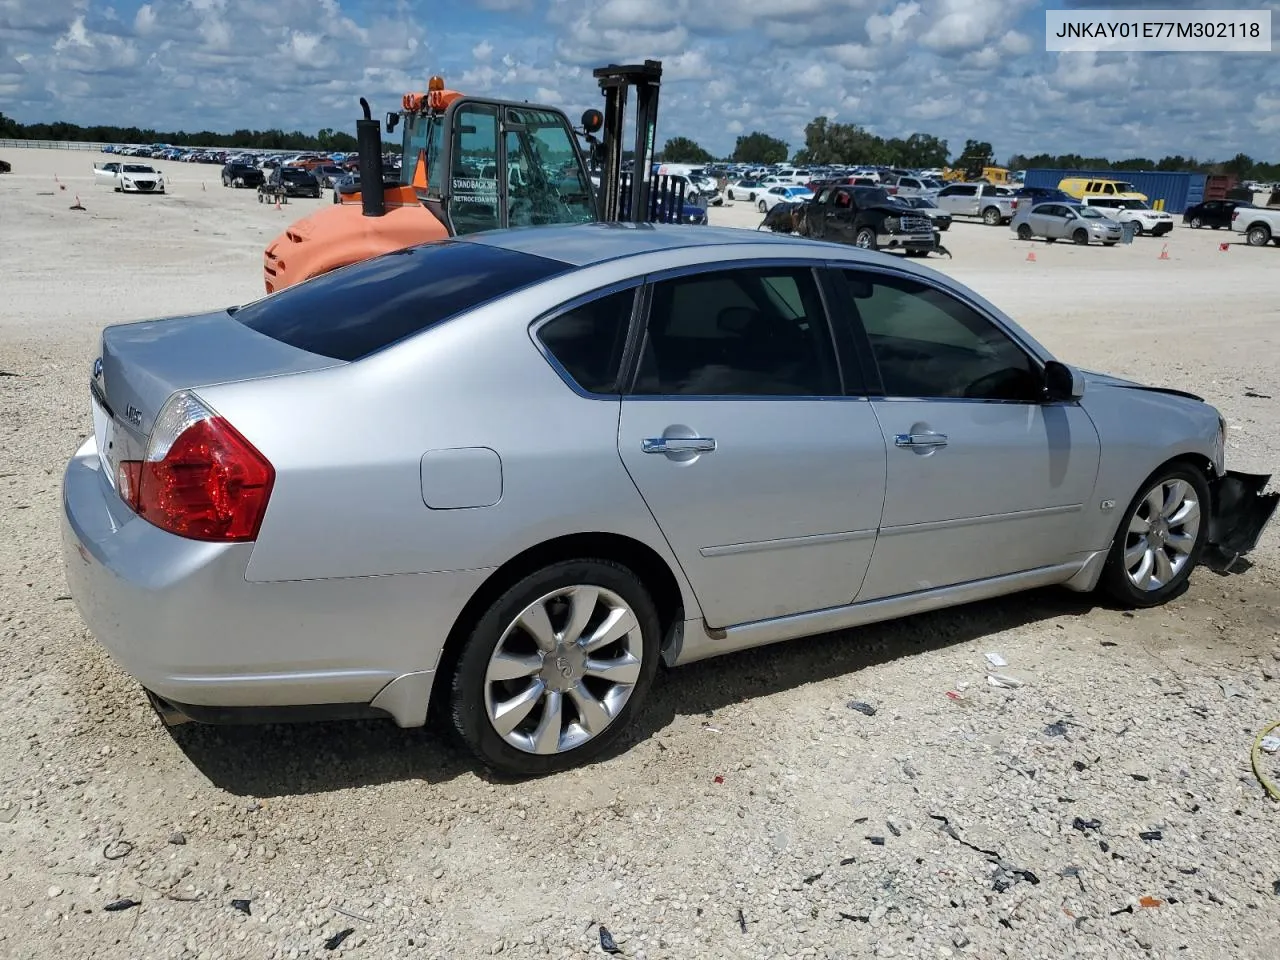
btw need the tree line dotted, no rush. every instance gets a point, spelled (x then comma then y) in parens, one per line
(825, 142)
(325, 140)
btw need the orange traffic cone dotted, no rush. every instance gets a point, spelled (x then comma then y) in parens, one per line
(78, 205)
(1164, 253)
(277, 203)
(1031, 257)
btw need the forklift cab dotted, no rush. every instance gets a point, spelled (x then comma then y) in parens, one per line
(487, 164)
(484, 164)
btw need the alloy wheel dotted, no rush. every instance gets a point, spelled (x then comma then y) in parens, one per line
(1162, 534)
(563, 669)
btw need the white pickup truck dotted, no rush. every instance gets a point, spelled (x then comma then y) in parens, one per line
(1258, 224)
(127, 177)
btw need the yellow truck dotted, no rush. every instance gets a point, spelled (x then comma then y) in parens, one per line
(1086, 187)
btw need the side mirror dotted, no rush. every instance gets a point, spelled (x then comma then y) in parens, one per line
(1062, 383)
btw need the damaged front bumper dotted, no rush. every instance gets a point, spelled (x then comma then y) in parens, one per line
(1241, 511)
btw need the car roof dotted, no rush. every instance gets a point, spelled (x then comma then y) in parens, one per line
(582, 245)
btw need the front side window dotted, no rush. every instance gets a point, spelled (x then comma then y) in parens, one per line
(587, 341)
(547, 183)
(758, 331)
(929, 344)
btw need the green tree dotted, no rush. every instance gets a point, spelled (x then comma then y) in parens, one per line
(684, 150)
(826, 142)
(757, 147)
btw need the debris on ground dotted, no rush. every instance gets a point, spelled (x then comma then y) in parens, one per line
(334, 942)
(178, 839)
(607, 943)
(996, 660)
(864, 708)
(242, 906)
(124, 903)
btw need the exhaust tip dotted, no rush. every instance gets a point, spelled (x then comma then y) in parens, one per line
(169, 715)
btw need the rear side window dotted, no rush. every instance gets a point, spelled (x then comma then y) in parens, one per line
(356, 310)
(587, 341)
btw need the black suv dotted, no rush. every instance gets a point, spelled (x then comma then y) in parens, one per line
(295, 182)
(242, 175)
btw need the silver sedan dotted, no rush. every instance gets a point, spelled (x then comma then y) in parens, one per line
(510, 474)
(1076, 222)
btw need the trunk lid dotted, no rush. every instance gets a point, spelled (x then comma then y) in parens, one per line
(142, 364)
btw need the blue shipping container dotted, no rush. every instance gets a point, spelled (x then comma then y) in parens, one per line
(1171, 192)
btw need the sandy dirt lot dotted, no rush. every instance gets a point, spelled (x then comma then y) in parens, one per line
(753, 814)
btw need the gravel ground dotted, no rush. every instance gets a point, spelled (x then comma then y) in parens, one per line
(1103, 808)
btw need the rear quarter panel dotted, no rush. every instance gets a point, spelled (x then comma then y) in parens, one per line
(1140, 430)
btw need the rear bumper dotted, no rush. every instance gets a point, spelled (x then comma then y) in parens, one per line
(1241, 511)
(180, 617)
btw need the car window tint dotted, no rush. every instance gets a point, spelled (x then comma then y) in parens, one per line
(351, 312)
(927, 343)
(587, 341)
(744, 332)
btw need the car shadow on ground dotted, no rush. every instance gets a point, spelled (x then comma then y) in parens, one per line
(295, 759)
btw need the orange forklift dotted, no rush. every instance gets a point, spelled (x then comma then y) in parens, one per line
(474, 163)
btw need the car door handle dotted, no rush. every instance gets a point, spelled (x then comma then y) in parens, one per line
(678, 445)
(920, 440)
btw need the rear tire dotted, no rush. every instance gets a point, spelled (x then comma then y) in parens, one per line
(501, 644)
(1259, 235)
(1171, 506)
(991, 216)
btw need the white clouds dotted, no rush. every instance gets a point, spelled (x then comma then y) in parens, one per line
(955, 68)
(144, 21)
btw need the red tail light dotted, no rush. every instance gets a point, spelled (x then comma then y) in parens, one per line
(201, 479)
(1235, 214)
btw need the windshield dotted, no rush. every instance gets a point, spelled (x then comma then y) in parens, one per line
(137, 168)
(294, 173)
(795, 190)
(1122, 187)
(872, 194)
(1090, 213)
(1132, 205)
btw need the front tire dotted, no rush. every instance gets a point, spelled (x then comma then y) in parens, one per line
(1024, 231)
(1137, 229)
(763, 207)
(1196, 223)
(556, 668)
(865, 238)
(1160, 539)
(1081, 237)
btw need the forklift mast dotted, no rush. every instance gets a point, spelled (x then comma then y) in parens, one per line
(615, 81)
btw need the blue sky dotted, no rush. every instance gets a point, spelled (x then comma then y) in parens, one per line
(953, 68)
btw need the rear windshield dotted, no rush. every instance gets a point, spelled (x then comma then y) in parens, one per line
(357, 310)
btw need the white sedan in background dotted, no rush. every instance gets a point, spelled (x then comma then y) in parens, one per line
(781, 193)
(130, 177)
